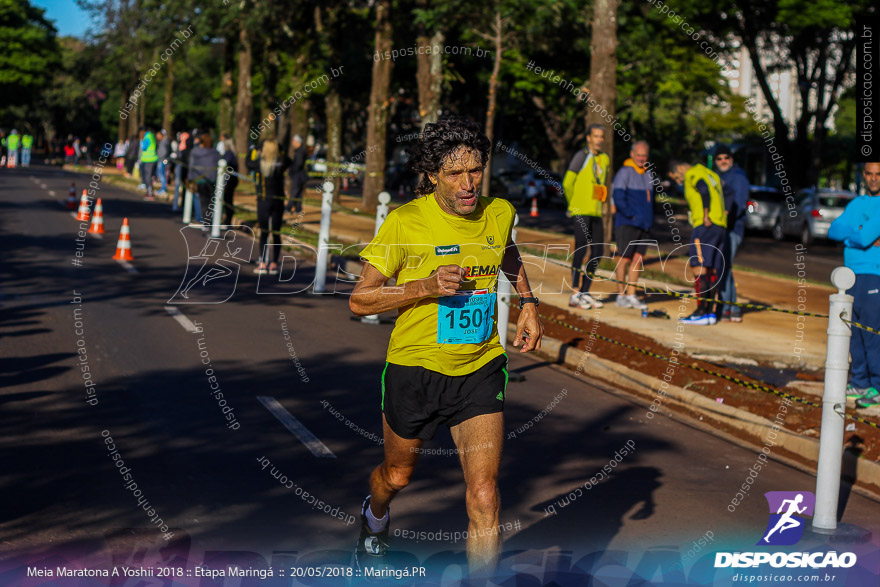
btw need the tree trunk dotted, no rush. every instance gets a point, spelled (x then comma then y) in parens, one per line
(333, 112)
(122, 133)
(493, 95)
(226, 91)
(299, 119)
(377, 113)
(134, 116)
(169, 96)
(142, 109)
(244, 102)
(429, 76)
(603, 83)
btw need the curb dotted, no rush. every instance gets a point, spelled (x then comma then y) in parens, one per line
(756, 427)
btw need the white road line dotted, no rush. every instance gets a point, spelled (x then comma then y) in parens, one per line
(128, 266)
(181, 319)
(51, 193)
(43, 186)
(301, 432)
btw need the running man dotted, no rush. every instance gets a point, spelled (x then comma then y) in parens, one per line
(786, 522)
(705, 199)
(585, 187)
(445, 363)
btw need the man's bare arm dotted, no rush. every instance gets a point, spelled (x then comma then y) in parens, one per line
(370, 296)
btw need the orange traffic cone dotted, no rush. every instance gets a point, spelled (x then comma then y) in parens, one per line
(123, 245)
(97, 226)
(71, 197)
(534, 212)
(83, 212)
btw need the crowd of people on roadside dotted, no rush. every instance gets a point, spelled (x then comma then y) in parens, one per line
(716, 200)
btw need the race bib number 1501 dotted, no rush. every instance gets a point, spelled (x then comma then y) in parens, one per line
(466, 317)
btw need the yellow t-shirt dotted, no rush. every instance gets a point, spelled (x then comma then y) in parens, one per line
(412, 243)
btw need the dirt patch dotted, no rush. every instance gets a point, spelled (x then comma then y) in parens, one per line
(800, 418)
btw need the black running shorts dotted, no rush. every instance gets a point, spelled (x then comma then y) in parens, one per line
(708, 247)
(629, 241)
(416, 401)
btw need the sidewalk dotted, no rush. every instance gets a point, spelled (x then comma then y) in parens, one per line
(763, 337)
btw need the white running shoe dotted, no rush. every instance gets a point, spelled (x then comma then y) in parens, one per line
(584, 301)
(623, 301)
(636, 303)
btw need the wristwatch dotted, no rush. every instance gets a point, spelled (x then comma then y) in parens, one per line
(524, 301)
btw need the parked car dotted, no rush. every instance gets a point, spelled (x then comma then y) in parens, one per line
(763, 207)
(814, 212)
(522, 186)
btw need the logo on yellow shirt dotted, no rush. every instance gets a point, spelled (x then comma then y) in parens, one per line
(448, 250)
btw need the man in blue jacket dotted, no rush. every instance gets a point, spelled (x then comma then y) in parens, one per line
(735, 186)
(859, 229)
(634, 203)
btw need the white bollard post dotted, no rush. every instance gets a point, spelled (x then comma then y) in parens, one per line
(504, 290)
(324, 238)
(187, 207)
(381, 215)
(217, 215)
(833, 403)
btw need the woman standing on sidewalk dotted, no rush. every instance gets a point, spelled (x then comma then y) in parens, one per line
(269, 164)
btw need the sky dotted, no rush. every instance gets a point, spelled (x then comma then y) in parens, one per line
(69, 19)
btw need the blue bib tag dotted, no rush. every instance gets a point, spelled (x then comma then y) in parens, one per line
(466, 317)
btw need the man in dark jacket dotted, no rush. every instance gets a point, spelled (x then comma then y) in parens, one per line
(736, 196)
(298, 174)
(634, 201)
(203, 163)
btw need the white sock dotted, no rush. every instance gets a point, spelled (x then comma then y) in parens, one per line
(375, 524)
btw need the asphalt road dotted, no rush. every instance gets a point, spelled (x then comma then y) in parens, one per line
(219, 487)
(758, 251)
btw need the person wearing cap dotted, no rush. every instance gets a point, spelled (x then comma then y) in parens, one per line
(735, 186)
(298, 174)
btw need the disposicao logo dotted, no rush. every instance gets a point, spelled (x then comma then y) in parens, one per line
(785, 528)
(449, 250)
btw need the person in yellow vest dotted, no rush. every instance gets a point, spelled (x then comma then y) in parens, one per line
(149, 157)
(708, 216)
(586, 187)
(27, 143)
(12, 142)
(445, 365)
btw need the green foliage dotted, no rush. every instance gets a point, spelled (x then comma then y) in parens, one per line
(28, 52)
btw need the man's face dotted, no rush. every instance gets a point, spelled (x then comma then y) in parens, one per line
(457, 184)
(596, 139)
(871, 173)
(677, 174)
(723, 162)
(296, 144)
(639, 154)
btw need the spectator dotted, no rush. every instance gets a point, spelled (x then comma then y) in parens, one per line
(735, 185)
(585, 191)
(87, 149)
(269, 166)
(27, 144)
(119, 153)
(203, 162)
(77, 152)
(859, 230)
(131, 155)
(231, 183)
(705, 199)
(149, 157)
(69, 153)
(634, 203)
(12, 144)
(298, 174)
(163, 152)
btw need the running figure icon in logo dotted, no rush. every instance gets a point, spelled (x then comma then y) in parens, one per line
(787, 528)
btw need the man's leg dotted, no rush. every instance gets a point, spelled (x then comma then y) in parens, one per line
(595, 237)
(580, 249)
(401, 455)
(479, 442)
(622, 267)
(635, 269)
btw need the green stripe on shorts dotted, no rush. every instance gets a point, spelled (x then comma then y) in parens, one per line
(383, 385)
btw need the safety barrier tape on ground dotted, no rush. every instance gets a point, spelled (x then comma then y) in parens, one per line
(735, 380)
(690, 296)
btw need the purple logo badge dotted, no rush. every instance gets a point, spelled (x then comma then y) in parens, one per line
(784, 527)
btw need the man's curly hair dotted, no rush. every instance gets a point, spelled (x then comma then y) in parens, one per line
(441, 138)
